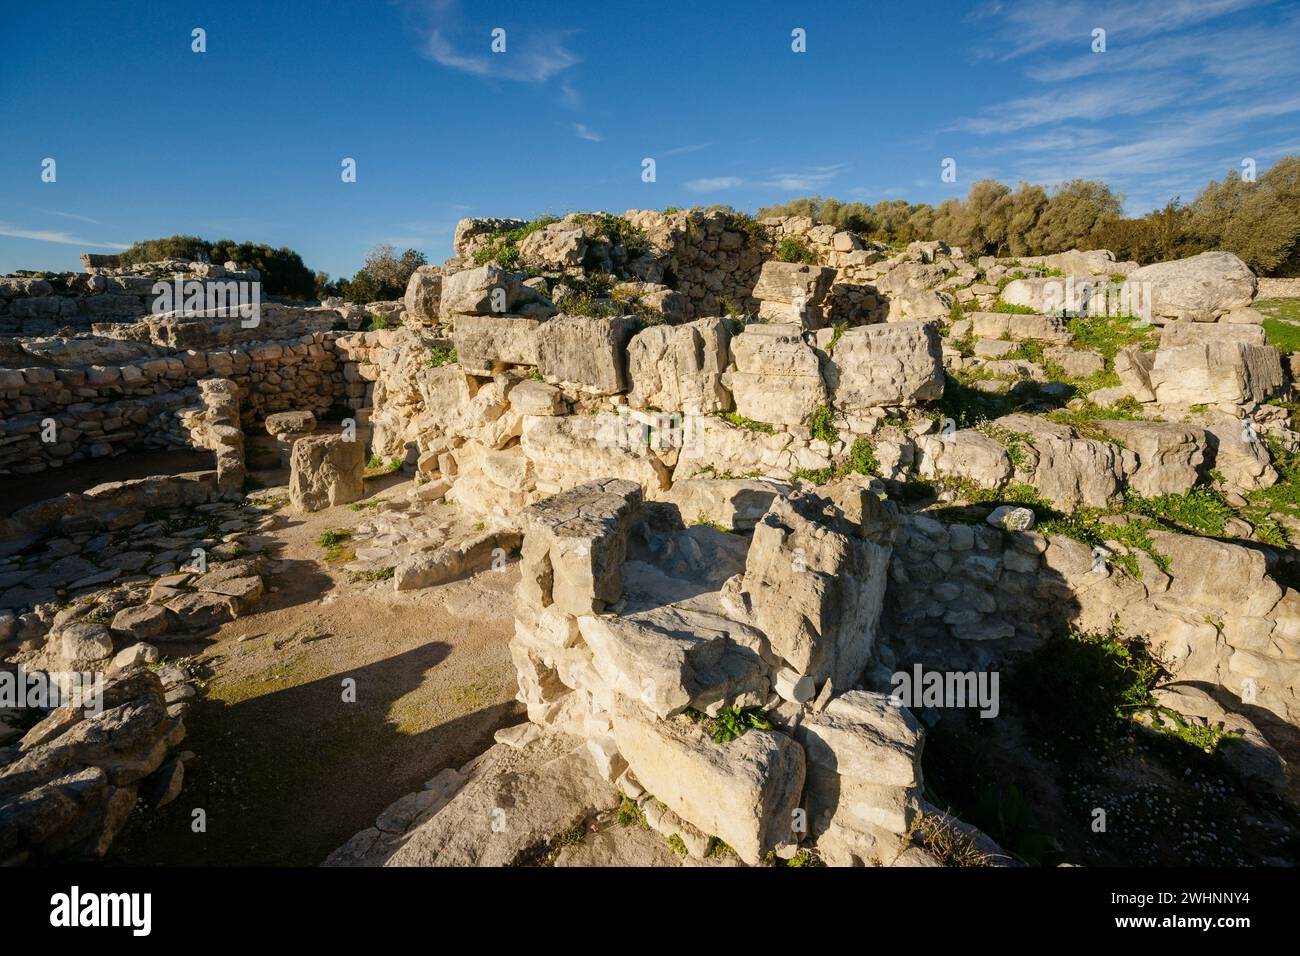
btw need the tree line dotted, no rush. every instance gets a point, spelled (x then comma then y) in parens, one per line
(383, 276)
(1258, 220)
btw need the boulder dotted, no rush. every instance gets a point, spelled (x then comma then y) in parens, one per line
(744, 791)
(423, 297)
(671, 658)
(777, 377)
(484, 341)
(490, 290)
(575, 543)
(567, 450)
(585, 354)
(531, 397)
(898, 363)
(325, 471)
(557, 246)
(1068, 471)
(815, 577)
(734, 503)
(967, 454)
(679, 368)
(1003, 325)
(1202, 288)
(1169, 455)
(1225, 372)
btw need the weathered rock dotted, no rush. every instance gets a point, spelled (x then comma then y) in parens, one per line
(777, 377)
(1201, 288)
(1209, 372)
(144, 622)
(559, 245)
(672, 658)
(575, 543)
(744, 791)
(815, 579)
(454, 560)
(326, 471)
(679, 368)
(424, 295)
(585, 354)
(566, 451)
(968, 454)
(489, 290)
(485, 341)
(1068, 471)
(898, 363)
(1169, 455)
(735, 503)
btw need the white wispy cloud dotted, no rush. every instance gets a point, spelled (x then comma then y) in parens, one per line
(1180, 86)
(583, 131)
(810, 178)
(52, 235)
(691, 148)
(1025, 28)
(533, 58)
(714, 183)
(70, 215)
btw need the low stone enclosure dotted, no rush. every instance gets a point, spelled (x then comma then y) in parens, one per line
(745, 495)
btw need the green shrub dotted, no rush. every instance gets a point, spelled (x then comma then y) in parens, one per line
(440, 356)
(794, 249)
(821, 426)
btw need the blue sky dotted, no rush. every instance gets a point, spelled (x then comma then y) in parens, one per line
(245, 141)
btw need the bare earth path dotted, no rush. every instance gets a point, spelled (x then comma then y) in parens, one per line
(286, 769)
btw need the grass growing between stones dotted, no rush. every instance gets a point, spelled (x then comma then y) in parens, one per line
(1068, 773)
(503, 245)
(945, 842)
(1108, 334)
(861, 460)
(731, 722)
(337, 543)
(821, 427)
(441, 355)
(631, 815)
(545, 854)
(749, 424)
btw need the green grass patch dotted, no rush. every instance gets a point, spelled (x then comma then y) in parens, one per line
(440, 356)
(1108, 334)
(503, 245)
(821, 427)
(749, 424)
(337, 545)
(1283, 334)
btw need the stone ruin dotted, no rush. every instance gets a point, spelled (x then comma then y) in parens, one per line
(706, 459)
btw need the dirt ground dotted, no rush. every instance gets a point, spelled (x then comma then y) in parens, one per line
(286, 769)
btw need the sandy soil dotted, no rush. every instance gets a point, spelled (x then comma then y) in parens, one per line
(286, 769)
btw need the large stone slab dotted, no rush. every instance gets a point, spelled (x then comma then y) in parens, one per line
(483, 341)
(815, 578)
(672, 658)
(585, 354)
(744, 791)
(1202, 288)
(898, 363)
(679, 368)
(575, 543)
(1227, 372)
(777, 377)
(325, 471)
